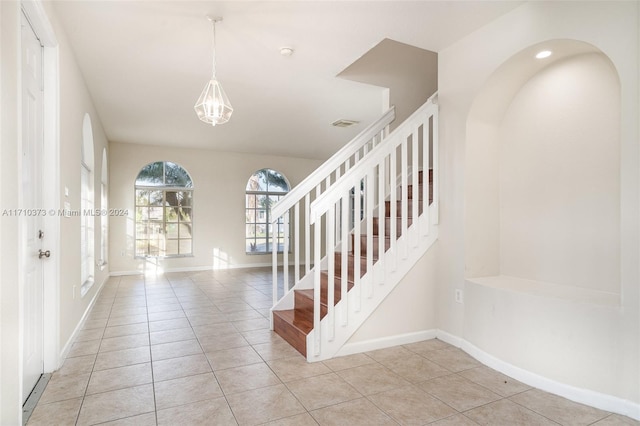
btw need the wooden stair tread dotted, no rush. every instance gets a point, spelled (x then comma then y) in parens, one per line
(294, 325)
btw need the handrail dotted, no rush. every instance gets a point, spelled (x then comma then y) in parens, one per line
(325, 200)
(321, 173)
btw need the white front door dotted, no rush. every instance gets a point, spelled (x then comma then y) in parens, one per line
(31, 204)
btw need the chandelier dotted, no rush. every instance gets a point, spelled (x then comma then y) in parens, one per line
(213, 106)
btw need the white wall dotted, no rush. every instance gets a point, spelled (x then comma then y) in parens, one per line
(74, 103)
(220, 180)
(560, 176)
(485, 320)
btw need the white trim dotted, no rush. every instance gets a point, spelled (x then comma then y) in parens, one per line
(584, 396)
(67, 346)
(588, 397)
(386, 342)
(41, 25)
(197, 268)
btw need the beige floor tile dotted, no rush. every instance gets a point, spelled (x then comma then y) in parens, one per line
(166, 315)
(209, 330)
(507, 412)
(106, 360)
(185, 390)
(60, 388)
(275, 349)
(322, 391)
(168, 336)
(207, 319)
(411, 406)
(126, 330)
(244, 316)
(452, 359)
(297, 367)
(359, 412)
(349, 361)
(124, 320)
(89, 334)
(124, 342)
(175, 349)
(389, 354)
(222, 342)
(297, 420)
(425, 346)
(163, 305)
(251, 324)
(148, 419)
(119, 378)
(372, 378)
(95, 323)
(264, 405)
(56, 413)
(173, 368)
(558, 409)
(169, 324)
(617, 420)
(255, 337)
(228, 307)
(77, 365)
(458, 392)
(415, 368)
(248, 377)
(457, 420)
(235, 357)
(494, 381)
(209, 412)
(90, 347)
(127, 311)
(118, 404)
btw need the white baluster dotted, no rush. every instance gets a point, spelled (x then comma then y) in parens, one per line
(285, 252)
(425, 178)
(393, 207)
(316, 286)
(296, 254)
(370, 189)
(331, 272)
(356, 246)
(307, 235)
(344, 260)
(405, 191)
(415, 187)
(436, 172)
(381, 220)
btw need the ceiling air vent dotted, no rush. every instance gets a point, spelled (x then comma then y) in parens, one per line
(344, 123)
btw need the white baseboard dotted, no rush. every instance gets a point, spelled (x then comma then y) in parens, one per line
(198, 268)
(584, 396)
(386, 342)
(67, 346)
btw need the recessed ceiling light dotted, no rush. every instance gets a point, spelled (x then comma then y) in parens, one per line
(543, 54)
(286, 51)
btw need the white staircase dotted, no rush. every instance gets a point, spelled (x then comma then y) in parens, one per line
(356, 227)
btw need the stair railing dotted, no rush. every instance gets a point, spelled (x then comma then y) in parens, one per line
(393, 165)
(293, 209)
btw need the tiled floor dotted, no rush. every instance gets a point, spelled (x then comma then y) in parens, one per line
(195, 349)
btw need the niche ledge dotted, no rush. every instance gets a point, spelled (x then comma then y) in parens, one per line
(549, 290)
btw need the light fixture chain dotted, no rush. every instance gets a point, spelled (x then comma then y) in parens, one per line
(213, 31)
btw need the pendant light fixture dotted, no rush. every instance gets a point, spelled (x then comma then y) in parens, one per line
(213, 106)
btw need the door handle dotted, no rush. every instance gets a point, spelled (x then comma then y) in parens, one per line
(42, 254)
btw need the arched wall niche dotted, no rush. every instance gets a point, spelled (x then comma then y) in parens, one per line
(542, 171)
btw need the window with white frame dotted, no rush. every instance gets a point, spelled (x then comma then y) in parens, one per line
(164, 211)
(104, 217)
(264, 188)
(87, 227)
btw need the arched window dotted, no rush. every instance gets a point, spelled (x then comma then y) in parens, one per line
(164, 210)
(264, 188)
(87, 220)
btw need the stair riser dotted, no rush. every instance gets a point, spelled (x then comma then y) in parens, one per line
(289, 333)
(387, 208)
(350, 266)
(376, 245)
(304, 304)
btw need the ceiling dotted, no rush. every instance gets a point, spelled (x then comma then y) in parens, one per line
(146, 62)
